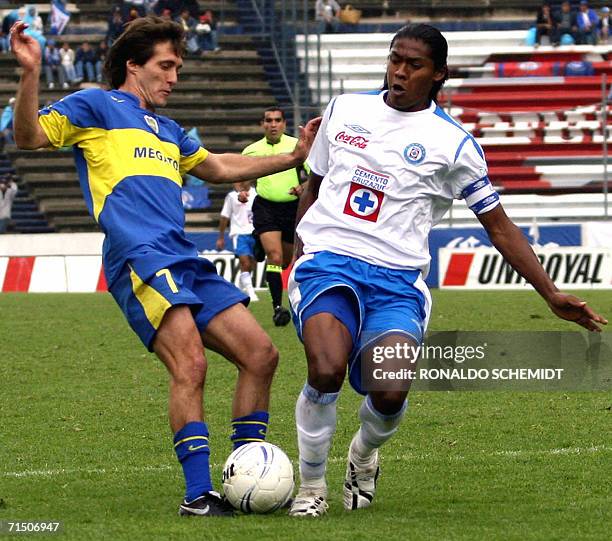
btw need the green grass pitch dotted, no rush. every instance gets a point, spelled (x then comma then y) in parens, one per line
(84, 437)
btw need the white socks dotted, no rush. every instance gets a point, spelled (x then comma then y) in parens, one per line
(375, 429)
(245, 281)
(315, 417)
(246, 284)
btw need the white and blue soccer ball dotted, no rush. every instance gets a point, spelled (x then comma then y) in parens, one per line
(258, 478)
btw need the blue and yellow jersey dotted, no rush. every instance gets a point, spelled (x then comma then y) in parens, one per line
(130, 163)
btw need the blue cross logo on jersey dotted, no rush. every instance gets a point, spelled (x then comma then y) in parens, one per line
(363, 202)
(414, 153)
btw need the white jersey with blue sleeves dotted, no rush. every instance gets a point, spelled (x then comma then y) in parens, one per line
(389, 177)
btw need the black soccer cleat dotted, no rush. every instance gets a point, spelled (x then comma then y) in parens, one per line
(210, 504)
(281, 316)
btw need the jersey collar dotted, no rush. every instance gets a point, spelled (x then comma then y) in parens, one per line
(277, 143)
(127, 96)
(430, 109)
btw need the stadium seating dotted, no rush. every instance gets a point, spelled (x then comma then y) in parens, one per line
(225, 112)
(540, 130)
(540, 133)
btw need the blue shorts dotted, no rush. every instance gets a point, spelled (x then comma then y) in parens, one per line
(243, 245)
(192, 281)
(371, 301)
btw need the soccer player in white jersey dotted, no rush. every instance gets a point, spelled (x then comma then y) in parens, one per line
(386, 167)
(238, 214)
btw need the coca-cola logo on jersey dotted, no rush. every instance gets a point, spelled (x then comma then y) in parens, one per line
(353, 140)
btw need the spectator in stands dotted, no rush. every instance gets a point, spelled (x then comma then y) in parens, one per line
(129, 5)
(115, 26)
(6, 124)
(33, 19)
(604, 24)
(176, 6)
(52, 65)
(192, 6)
(7, 21)
(566, 22)
(8, 191)
(588, 24)
(131, 15)
(67, 56)
(206, 30)
(85, 62)
(326, 14)
(100, 58)
(545, 24)
(189, 27)
(166, 14)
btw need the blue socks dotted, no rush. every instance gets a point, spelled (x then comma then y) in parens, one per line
(191, 446)
(252, 427)
(193, 452)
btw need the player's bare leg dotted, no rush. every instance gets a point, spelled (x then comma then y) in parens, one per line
(179, 346)
(380, 414)
(235, 334)
(327, 343)
(273, 246)
(247, 265)
(287, 253)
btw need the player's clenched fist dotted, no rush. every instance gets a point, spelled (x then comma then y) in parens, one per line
(25, 48)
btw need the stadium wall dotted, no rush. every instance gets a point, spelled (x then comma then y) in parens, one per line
(578, 255)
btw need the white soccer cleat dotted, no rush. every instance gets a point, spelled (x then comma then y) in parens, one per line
(309, 503)
(360, 482)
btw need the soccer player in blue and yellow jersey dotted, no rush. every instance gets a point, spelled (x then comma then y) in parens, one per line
(130, 161)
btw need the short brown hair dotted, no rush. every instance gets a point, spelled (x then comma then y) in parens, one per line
(137, 43)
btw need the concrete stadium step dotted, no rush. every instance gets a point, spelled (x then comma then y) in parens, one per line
(74, 223)
(208, 85)
(237, 102)
(64, 207)
(241, 121)
(33, 163)
(53, 179)
(56, 193)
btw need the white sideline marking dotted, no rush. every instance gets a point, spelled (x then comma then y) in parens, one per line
(403, 457)
(99, 471)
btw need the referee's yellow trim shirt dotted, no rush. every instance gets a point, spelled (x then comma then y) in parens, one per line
(275, 187)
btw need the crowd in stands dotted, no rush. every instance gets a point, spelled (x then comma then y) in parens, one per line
(68, 67)
(570, 23)
(200, 27)
(64, 65)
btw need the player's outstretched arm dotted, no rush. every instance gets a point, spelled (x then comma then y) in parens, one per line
(512, 244)
(221, 168)
(26, 130)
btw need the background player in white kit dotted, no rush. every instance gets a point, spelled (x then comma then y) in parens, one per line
(386, 167)
(237, 213)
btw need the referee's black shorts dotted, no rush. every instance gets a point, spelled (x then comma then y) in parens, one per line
(273, 216)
